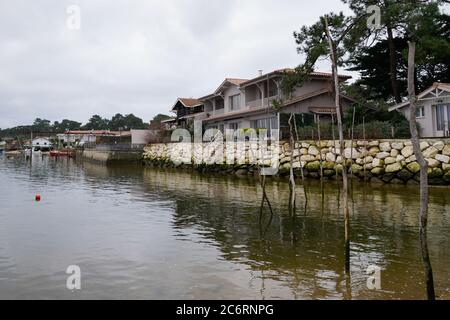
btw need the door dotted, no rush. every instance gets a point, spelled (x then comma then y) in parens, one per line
(447, 132)
(441, 120)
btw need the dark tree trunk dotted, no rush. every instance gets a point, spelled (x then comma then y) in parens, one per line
(393, 65)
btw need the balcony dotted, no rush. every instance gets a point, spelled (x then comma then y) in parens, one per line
(259, 102)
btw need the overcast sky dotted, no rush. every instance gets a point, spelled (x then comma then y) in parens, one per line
(138, 56)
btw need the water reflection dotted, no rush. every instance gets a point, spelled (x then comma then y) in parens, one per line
(145, 233)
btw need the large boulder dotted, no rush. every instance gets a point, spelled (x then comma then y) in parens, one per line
(368, 159)
(414, 167)
(433, 163)
(397, 145)
(446, 150)
(430, 152)
(392, 168)
(411, 159)
(377, 171)
(385, 147)
(407, 151)
(307, 158)
(442, 158)
(424, 145)
(394, 153)
(383, 155)
(313, 166)
(328, 165)
(439, 145)
(351, 153)
(377, 163)
(356, 168)
(373, 151)
(305, 145)
(312, 150)
(330, 157)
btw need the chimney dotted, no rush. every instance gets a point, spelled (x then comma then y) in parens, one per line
(260, 72)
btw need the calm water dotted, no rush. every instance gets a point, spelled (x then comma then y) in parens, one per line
(149, 234)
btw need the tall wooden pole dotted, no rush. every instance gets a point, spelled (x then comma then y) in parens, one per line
(423, 211)
(333, 52)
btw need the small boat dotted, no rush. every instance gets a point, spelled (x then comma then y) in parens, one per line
(61, 153)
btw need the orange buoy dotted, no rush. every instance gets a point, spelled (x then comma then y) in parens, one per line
(38, 197)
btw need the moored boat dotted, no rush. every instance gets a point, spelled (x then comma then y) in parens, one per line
(61, 153)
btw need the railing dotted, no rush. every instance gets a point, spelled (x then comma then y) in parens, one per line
(219, 112)
(260, 103)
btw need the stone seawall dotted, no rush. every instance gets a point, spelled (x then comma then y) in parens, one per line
(383, 161)
(107, 157)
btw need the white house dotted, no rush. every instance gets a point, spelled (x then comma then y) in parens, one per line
(433, 110)
(41, 144)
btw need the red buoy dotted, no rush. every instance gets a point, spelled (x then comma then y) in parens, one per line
(38, 197)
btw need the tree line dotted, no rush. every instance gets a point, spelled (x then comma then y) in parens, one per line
(96, 122)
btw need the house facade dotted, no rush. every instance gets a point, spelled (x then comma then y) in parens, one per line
(433, 111)
(248, 103)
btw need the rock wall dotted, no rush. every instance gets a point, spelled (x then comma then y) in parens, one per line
(384, 161)
(108, 157)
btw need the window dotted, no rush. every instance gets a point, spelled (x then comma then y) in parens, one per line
(440, 125)
(235, 102)
(420, 112)
(269, 123)
(219, 104)
(233, 126)
(273, 88)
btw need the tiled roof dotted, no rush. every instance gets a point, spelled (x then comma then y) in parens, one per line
(190, 102)
(187, 102)
(236, 81)
(281, 71)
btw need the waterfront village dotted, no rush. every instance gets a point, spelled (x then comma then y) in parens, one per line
(258, 105)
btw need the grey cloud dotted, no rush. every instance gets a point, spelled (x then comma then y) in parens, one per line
(137, 56)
